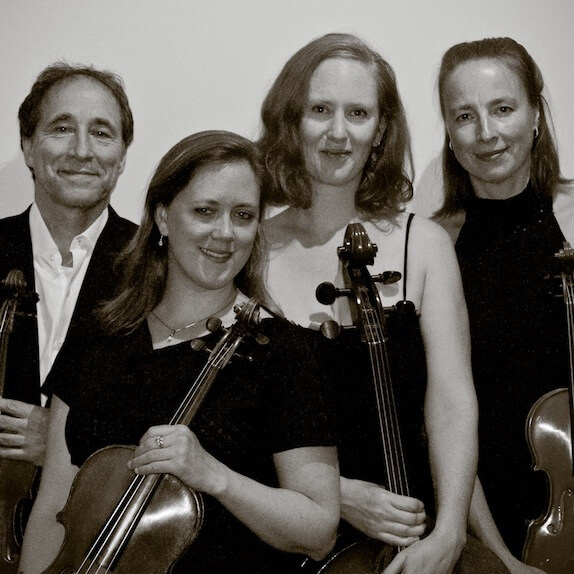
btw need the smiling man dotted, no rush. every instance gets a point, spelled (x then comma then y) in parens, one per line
(75, 127)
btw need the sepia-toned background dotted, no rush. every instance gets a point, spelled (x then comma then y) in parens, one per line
(190, 65)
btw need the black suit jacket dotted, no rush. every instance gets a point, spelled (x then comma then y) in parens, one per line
(23, 369)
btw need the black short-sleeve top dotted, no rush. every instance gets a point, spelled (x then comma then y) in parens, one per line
(117, 387)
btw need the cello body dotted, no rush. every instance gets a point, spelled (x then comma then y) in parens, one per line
(366, 556)
(550, 538)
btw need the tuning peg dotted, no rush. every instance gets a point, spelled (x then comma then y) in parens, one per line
(198, 345)
(326, 293)
(387, 277)
(213, 324)
(330, 329)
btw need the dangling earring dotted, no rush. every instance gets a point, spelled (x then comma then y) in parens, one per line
(374, 150)
(450, 145)
(535, 133)
(160, 242)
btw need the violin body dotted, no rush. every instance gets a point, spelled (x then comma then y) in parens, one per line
(550, 538)
(16, 498)
(170, 522)
(17, 478)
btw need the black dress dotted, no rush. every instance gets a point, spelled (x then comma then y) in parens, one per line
(118, 387)
(519, 345)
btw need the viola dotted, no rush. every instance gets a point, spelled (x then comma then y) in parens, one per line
(549, 541)
(120, 522)
(368, 556)
(17, 478)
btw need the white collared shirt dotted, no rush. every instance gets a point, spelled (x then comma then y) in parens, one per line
(58, 286)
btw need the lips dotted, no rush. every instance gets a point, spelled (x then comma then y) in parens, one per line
(221, 256)
(77, 173)
(491, 155)
(337, 152)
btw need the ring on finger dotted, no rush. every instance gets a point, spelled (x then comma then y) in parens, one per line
(159, 441)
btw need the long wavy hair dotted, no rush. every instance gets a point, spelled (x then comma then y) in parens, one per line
(545, 166)
(144, 261)
(388, 173)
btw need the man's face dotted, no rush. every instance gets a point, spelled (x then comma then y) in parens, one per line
(77, 152)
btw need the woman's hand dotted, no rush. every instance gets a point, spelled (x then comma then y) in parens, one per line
(381, 514)
(432, 555)
(175, 450)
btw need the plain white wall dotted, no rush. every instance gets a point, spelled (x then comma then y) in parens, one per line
(190, 65)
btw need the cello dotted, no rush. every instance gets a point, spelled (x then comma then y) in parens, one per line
(549, 541)
(369, 556)
(17, 477)
(142, 523)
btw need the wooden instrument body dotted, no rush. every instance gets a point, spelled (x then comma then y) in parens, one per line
(549, 541)
(16, 498)
(170, 522)
(550, 538)
(366, 556)
(17, 478)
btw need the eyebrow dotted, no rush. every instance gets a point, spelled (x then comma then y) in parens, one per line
(463, 106)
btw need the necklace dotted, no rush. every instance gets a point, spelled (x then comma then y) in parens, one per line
(190, 325)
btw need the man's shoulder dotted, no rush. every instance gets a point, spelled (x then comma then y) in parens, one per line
(21, 221)
(118, 229)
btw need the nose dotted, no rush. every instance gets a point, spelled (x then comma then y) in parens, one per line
(80, 145)
(338, 127)
(484, 128)
(223, 228)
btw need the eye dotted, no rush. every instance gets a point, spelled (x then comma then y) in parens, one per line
(359, 113)
(102, 134)
(504, 110)
(205, 211)
(319, 109)
(62, 129)
(244, 215)
(463, 118)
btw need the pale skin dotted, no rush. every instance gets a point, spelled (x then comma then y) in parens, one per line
(77, 154)
(340, 125)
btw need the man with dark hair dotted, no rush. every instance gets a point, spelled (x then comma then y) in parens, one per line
(75, 128)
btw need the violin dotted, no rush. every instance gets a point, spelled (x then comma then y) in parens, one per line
(17, 478)
(369, 556)
(549, 541)
(142, 523)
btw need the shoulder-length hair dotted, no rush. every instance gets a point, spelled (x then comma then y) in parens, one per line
(545, 166)
(387, 176)
(144, 260)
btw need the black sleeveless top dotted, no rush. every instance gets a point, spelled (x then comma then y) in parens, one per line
(519, 346)
(348, 366)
